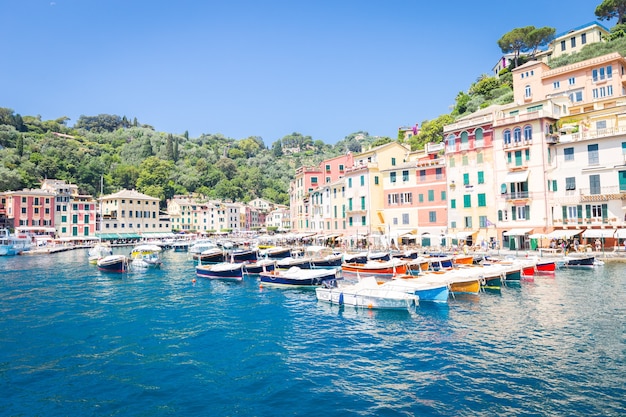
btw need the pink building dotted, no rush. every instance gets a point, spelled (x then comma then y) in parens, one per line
(30, 210)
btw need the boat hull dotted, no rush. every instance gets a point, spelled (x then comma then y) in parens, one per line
(546, 267)
(256, 268)
(113, 263)
(588, 262)
(297, 277)
(229, 272)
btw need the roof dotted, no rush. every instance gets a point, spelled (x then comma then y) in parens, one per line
(129, 194)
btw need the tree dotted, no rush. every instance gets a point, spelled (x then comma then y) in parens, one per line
(610, 9)
(514, 41)
(539, 37)
(431, 131)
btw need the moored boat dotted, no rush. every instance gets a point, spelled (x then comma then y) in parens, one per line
(113, 263)
(275, 252)
(224, 271)
(98, 251)
(380, 269)
(244, 255)
(11, 244)
(367, 293)
(145, 256)
(255, 268)
(545, 267)
(426, 291)
(298, 277)
(579, 261)
(212, 255)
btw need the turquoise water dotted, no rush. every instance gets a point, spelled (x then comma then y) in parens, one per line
(76, 341)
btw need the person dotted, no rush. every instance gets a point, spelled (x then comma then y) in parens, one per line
(576, 244)
(598, 245)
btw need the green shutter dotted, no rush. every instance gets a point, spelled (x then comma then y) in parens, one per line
(527, 212)
(513, 213)
(554, 187)
(499, 215)
(579, 210)
(587, 211)
(605, 214)
(564, 213)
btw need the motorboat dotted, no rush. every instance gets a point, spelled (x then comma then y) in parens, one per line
(223, 271)
(11, 244)
(113, 263)
(98, 251)
(379, 269)
(367, 293)
(255, 268)
(298, 277)
(146, 256)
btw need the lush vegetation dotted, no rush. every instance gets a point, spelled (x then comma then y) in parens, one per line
(134, 156)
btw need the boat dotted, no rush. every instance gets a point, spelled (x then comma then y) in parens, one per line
(98, 251)
(438, 292)
(243, 255)
(145, 256)
(11, 244)
(405, 254)
(289, 261)
(201, 245)
(379, 256)
(224, 271)
(579, 261)
(275, 252)
(323, 257)
(367, 293)
(545, 266)
(358, 258)
(379, 269)
(212, 255)
(416, 265)
(298, 277)
(437, 262)
(180, 245)
(463, 259)
(113, 263)
(462, 281)
(255, 268)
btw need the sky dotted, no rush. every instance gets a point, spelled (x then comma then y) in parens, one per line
(264, 68)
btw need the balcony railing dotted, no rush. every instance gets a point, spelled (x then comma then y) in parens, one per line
(517, 195)
(592, 134)
(603, 194)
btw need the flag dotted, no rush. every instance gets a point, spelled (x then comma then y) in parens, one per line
(488, 223)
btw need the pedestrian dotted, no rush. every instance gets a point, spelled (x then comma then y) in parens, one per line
(598, 245)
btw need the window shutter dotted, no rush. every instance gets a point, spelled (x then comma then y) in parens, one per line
(579, 210)
(564, 213)
(513, 214)
(605, 213)
(587, 211)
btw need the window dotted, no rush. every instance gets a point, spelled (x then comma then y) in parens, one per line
(443, 196)
(481, 177)
(562, 45)
(576, 96)
(432, 216)
(570, 183)
(482, 221)
(363, 221)
(393, 162)
(594, 184)
(466, 179)
(517, 135)
(453, 203)
(327, 168)
(431, 195)
(423, 175)
(482, 200)
(340, 168)
(507, 137)
(571, 81)
(405, 176)
(349, 182)
(349, 204)
(464, 140)
(362, 180)
(556, 85)
(592, 154)
(573, 42)
(583, 38)
(527, 91)
(478, 137)
(451, 143)
(569, 154)
(465, 160)
(405, 218)
(600, 124)
(439, 173)
(362, 203)
(467, 201)
(313, 180)
(479, 158)
(468, 222)
(392, 177)
(528, 132)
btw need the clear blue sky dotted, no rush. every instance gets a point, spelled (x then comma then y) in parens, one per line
(258, 68)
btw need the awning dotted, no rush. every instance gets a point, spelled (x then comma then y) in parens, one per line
(107, 236)
(598, 233)
(563, 234)
(517, 176)
(464, 235)
(620, 233)
(517, 232)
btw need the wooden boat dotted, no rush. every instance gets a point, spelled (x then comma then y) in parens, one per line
(288, 262)
(545, 267)
(275, 252)
(243, 255)
(467, 280)
(579, 261)
(356, 258)
(406, 254)
(113, 263)
(379, 269)
(255, 268)
(224, 271)
(463, 259)
(323, 257)
(378, 256)
(295, 277)
(426, 291)
(213, 255)
(415, 266)
(367, 293)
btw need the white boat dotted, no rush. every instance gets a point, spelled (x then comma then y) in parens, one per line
(145, 256)
(367, 293)
(12, 244)
(113, 263)
(98, 251)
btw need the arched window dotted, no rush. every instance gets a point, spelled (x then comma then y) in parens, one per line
(464, 140)
(528, 132)
(528, 91)
(507, 137)
(451, 143)
(478, 133)
(517, 135)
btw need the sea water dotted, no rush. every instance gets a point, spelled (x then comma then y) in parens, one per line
(77, 341)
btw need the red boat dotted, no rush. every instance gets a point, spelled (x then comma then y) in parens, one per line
(545, 267)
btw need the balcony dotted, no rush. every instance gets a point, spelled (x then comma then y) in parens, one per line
(591, 134)
(603, 194)
(517, 195)
(520, 144)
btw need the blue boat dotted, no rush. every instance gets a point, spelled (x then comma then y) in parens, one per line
(255, 268)
(426, 291)
(243, 255)
(225, 271)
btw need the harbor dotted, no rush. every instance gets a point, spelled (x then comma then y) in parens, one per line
(80, 341)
